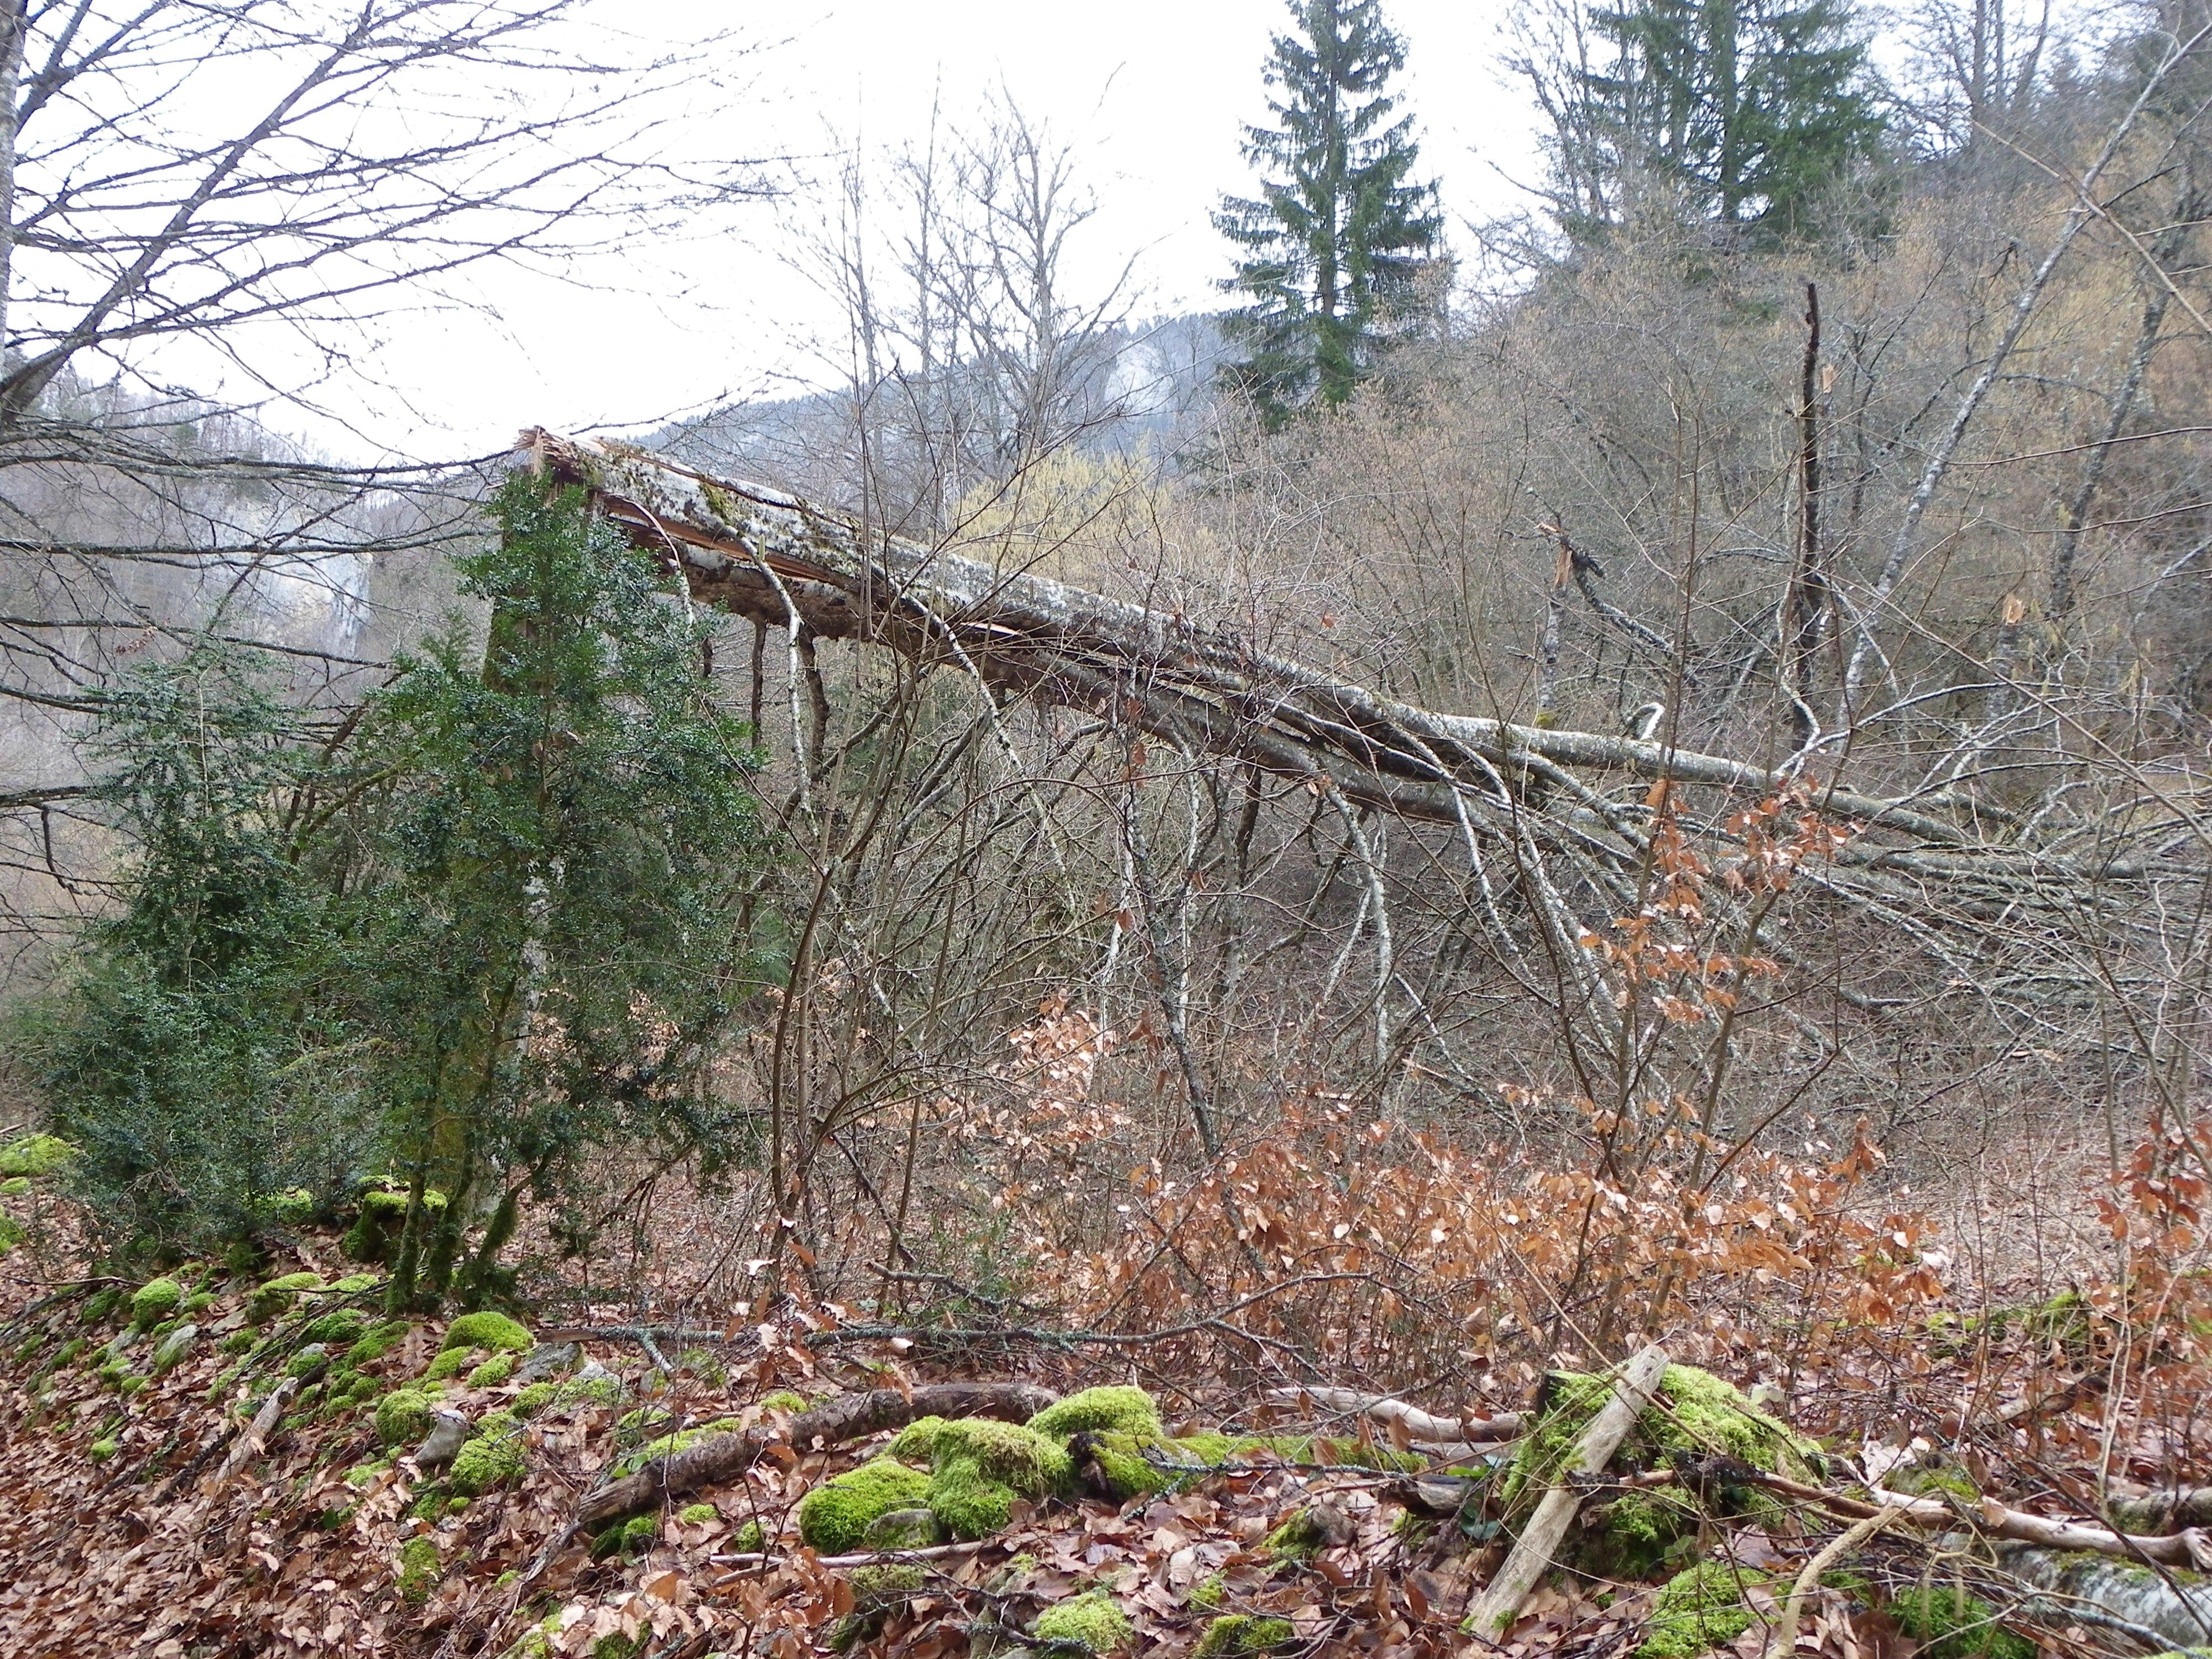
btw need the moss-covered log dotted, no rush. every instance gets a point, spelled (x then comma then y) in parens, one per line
(722, 1458)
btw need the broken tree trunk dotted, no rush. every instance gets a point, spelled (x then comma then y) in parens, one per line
(1496, 1608)
(718, 1461)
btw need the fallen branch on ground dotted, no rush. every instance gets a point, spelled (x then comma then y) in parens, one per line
(719, 1459)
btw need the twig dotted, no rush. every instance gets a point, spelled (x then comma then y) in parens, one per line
(1782, 1638)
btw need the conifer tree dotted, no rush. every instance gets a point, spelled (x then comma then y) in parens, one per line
(1735, 112)
(1332, 249)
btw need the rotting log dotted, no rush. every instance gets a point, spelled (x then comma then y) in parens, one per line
(722, 1458)
(1532, 1556)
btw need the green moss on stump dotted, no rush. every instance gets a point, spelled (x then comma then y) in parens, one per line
(978, 1469)
(1089, 1622)
(1239, 1634)
(1697, 1414)
(1695, 1611)
(1122, 1409)
(833, 1517)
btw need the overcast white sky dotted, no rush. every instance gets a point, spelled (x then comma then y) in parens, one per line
(1153, 93)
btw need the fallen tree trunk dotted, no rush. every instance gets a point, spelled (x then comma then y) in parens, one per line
(1497, 1607)
(723, 1458)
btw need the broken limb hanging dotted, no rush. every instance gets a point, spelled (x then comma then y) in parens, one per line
(2001, 900)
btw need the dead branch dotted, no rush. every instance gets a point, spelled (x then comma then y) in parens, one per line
(723, 1457)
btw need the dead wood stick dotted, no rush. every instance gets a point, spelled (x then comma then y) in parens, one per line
(2189, 1547)
(1498, 1605)
(1424, 1429)
(1782, 1638)
(721, 1459)
(256, 1431)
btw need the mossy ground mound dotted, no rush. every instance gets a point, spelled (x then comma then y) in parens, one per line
(1949, 1624)
(834, 1518)
(1090, 1621)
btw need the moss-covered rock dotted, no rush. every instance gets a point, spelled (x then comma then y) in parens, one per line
(1949, 1624)
(172, 1348)
(1122, 1409)
(16, 1187)
(791, 1404)
(100, 1304)
(376, 1343)
(340, 1328)
(402, 1417)
(914, 1442)
(494, 1333)
(749, 1538)
(101, 1450)
(698, 1514)
(833, 1517)
(492, 1458)
(1089, 1622)
(34, 1155)
(418, 1571)
(155, 1301)
(1697, 1611)
(1236, 1633)
(278, 1294)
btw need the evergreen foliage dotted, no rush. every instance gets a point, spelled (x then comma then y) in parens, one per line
(1743, 114)
(494, 920)
(1334, 250)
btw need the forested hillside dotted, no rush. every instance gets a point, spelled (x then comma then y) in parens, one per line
(1500, 949)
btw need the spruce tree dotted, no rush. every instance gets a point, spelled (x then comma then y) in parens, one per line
(1332, 249)
(1736, 112)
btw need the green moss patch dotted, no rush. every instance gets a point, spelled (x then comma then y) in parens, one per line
(418, 1570)
(1239, 1634)
(492, 1458)
(1124, 1410)
(833, 1517)
(1949, 1624)
(1695, 1611)
(493, 1372)
(1089, 1622)
(494, 1333)
(978, 1469)
(1697, 1416)
(403, 1417)
(278, 1296)
(155, 1302)
(34, 1155)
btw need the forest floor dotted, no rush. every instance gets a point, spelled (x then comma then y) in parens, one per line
(135, 1517)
